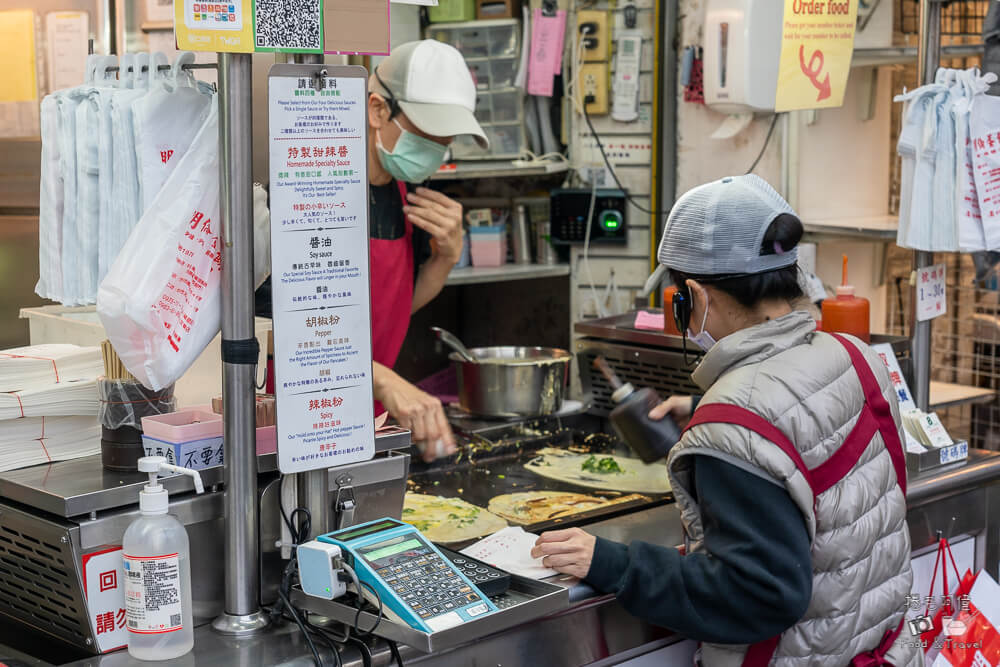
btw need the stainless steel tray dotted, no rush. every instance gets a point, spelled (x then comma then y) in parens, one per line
(956, 455)
(525, 601)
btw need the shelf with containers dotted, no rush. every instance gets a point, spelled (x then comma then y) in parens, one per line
(492, 50)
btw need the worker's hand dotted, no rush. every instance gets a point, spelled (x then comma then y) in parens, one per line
(568, 551)
(678, 407)
(420, 413)
(441, 217)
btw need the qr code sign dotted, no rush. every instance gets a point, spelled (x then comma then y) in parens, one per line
(288, 24)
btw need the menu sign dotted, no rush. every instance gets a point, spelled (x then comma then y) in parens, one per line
(319, 266)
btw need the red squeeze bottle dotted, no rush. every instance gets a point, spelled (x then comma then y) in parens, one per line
(847, 313)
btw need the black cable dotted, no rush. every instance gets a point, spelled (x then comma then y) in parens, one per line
(607, 163)
(767, 140)
(361, 606)
(302, 627)
(366, 653)
(395, 652)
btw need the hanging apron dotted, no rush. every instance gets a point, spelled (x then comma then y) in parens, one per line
(392, 293)
(876, 416)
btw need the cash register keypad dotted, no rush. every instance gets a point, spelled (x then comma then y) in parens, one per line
(428, 584)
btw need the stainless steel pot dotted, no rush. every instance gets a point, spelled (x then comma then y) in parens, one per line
(512, 381)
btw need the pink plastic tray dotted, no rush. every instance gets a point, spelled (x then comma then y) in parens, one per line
(184, 425)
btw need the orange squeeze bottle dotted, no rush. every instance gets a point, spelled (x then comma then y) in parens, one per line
(847, 313)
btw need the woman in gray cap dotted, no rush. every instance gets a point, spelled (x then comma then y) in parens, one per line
(790, 478)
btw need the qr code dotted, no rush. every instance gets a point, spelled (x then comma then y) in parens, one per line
(288, 24)
(175, 620)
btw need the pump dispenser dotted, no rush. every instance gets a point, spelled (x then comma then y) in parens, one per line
(157, 563)
(847, 313)
(649, 438)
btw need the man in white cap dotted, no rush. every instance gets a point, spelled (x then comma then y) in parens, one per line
(420, 98)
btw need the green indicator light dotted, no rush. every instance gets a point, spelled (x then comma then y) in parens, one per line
(327, 589)
(611, 220)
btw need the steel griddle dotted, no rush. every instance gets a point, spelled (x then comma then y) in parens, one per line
(498, 454)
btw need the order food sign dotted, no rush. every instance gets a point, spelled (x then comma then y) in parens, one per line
(319, 265)
(817, 42)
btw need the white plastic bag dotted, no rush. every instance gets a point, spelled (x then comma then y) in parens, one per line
(984, 126)
(971, 237)
(164, 122)
(944, 223)
(88, 176)
(160, 302)
(125, 207)
(919, 105)
(50, 205)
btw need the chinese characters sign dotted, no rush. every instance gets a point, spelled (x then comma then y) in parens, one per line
(104, 582)
(319, 267)
(931, 301)
(817, 42)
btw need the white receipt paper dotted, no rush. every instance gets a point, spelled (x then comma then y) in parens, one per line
(510, 550)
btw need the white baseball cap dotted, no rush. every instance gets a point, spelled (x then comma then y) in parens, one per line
(432, 85)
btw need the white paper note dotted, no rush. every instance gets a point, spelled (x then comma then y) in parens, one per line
(510, 549)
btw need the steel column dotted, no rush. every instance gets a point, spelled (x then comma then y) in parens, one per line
(242, 613)
(928, 60)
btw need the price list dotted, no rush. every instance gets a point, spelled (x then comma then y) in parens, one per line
(319, 266)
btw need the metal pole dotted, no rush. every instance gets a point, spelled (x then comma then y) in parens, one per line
(242, 613)
(313, 485)
(928, 60)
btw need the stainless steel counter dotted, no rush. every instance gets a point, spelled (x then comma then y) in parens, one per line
(83, 486)
(595, 626)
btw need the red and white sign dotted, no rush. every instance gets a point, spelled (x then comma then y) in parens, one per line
(104, 583)
(931, 301)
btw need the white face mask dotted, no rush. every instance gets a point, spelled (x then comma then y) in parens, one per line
(703, 339)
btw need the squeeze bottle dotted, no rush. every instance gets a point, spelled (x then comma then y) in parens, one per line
(847, 313)
(157, 563)
(650, 439)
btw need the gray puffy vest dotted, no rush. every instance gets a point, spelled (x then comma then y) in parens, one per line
(804, 383)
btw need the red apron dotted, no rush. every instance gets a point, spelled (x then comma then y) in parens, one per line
(392, 294)
(875, 416)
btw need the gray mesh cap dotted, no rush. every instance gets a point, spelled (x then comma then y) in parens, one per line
(717, 229)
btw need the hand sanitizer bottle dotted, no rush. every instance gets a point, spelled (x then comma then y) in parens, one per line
(158, 572)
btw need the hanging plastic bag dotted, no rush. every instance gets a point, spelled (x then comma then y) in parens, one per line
(967, 216)
(919, 104)
(165, 122)
(67, 102)
(973, 636)
(160, 302)
(984, 128)
(88, 176)
(922, 209)
(125, 206)
(944, 227)
(50, 204)
(261, 236)
(936, 627)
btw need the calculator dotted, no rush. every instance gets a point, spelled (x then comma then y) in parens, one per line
(417, 585)
(489, 579)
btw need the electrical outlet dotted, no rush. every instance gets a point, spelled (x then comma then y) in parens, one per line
(596, 43)
(594, 83)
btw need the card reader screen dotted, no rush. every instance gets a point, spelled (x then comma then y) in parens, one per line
(346, 535)
(391, 550)
(394, 551)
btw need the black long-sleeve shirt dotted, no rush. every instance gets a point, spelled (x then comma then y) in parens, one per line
(752, 582)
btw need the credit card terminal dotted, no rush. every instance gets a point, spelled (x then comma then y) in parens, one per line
(416, 584)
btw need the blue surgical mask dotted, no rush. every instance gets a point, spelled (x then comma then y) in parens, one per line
(702, 339)
(413, 159)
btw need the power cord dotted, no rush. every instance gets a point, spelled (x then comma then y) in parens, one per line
(607, 163)
(767, 140)
(395, 652)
